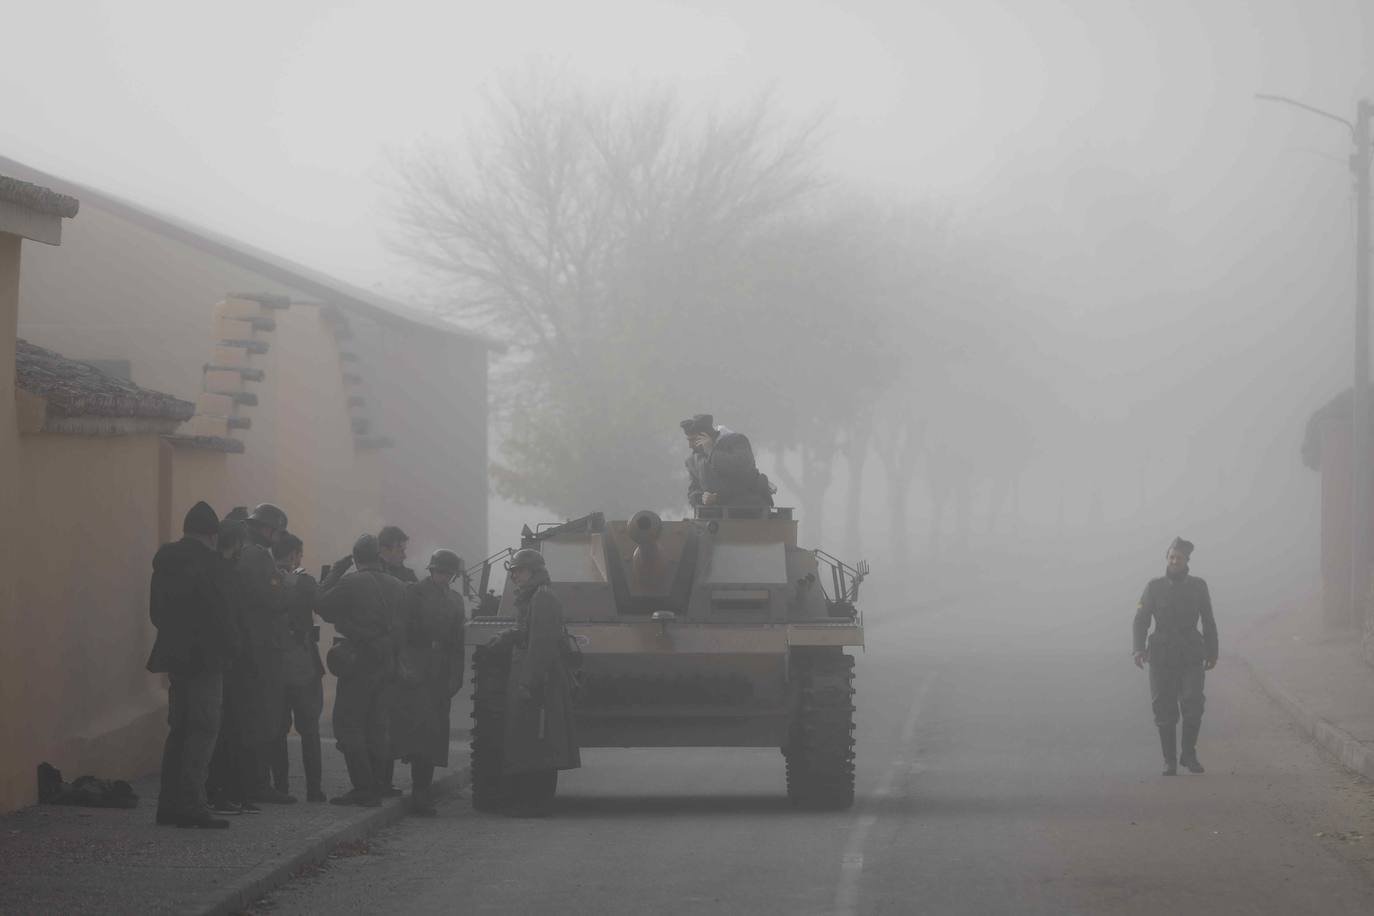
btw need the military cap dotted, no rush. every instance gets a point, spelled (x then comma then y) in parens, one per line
(445, 561)
(699, 423)
(1183, 547)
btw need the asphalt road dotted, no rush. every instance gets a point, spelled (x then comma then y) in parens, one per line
(1007, 764)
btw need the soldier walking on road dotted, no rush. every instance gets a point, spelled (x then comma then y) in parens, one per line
(429, 673)
(541, 737)
(194, 639)
(363, 606)
(1177, 653)
(302, 671)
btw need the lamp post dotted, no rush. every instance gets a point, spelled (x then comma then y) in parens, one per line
(1361, 465)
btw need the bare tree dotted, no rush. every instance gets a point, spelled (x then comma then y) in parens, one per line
(607, 238)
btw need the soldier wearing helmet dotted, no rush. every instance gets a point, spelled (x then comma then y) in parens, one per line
(430, 673)
(265, 607)
(541, 736)
(363, 606)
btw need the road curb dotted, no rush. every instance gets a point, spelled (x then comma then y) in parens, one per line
(266, 878)
(1352, 753)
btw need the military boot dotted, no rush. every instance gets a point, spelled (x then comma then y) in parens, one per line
(421, 779)
(310, 760)
(1189, 755)
(1168, 742)
(364, 791)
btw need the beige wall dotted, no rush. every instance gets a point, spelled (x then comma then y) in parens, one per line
(76, 692)
(11, 724)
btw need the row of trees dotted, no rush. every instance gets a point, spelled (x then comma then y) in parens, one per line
(647, 262)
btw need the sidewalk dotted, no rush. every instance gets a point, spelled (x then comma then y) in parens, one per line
(94, 860)
(1320, 681)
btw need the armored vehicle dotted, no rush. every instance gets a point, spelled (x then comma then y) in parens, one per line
(713, 631)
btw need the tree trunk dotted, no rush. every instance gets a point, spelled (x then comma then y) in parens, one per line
(856, 459)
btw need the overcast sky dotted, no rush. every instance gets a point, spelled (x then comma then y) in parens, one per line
(276, 122)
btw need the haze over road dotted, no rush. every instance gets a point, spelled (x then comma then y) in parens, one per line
(1007, 764)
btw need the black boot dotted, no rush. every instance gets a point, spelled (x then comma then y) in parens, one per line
(281, 767)
(364, 791)
(382, 770)
(1189, 755)
(310, 760)
(421, 778)
(388, 779)
(1168, 742)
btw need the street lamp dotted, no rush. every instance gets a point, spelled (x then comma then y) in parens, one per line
(1360, 462)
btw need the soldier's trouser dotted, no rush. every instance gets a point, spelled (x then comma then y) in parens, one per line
(304, 704)
(193, 715)
(1176, 692)
(362, 709)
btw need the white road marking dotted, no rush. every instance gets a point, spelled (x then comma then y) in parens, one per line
(852, 861)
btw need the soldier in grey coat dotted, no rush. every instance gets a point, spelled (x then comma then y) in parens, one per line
(195, 639)
(430, 672)
(363, 606)
(541, 734)
(1177, 653)
(265, 608)
(720, 467)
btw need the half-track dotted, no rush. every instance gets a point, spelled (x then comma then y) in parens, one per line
(712, 631)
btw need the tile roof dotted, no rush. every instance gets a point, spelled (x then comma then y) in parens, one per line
(35, 197)
(75, 389)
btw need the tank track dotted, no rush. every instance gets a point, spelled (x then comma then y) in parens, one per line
(820, 751)
(490, 671)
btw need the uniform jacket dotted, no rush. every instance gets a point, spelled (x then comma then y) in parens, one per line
(265, 602)
(301, 655)
(729, 471)
(431, 629)
(1177, 608)
(364, 607)
(400, 571)
(540, 730)
(188, 606)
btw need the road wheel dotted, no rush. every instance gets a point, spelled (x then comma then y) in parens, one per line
(490, 671)
(820, 750)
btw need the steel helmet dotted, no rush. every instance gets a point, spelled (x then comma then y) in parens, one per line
(526, 558)
(445, 561)
(269, 515)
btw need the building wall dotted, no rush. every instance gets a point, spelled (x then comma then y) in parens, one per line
(11, 724)
(76, 693)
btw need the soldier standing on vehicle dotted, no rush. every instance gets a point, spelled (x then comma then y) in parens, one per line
(302, 671)
(1177, 653)
(194, 640)
(363, 606)
(541, 737)
(264, 610)
(429, 674)
(720, 467)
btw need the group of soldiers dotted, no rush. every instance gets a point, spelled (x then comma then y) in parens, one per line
(237, 639)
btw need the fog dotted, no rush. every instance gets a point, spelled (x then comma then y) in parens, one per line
(1130, 286)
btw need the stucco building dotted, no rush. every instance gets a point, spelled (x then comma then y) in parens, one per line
(275, 383)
